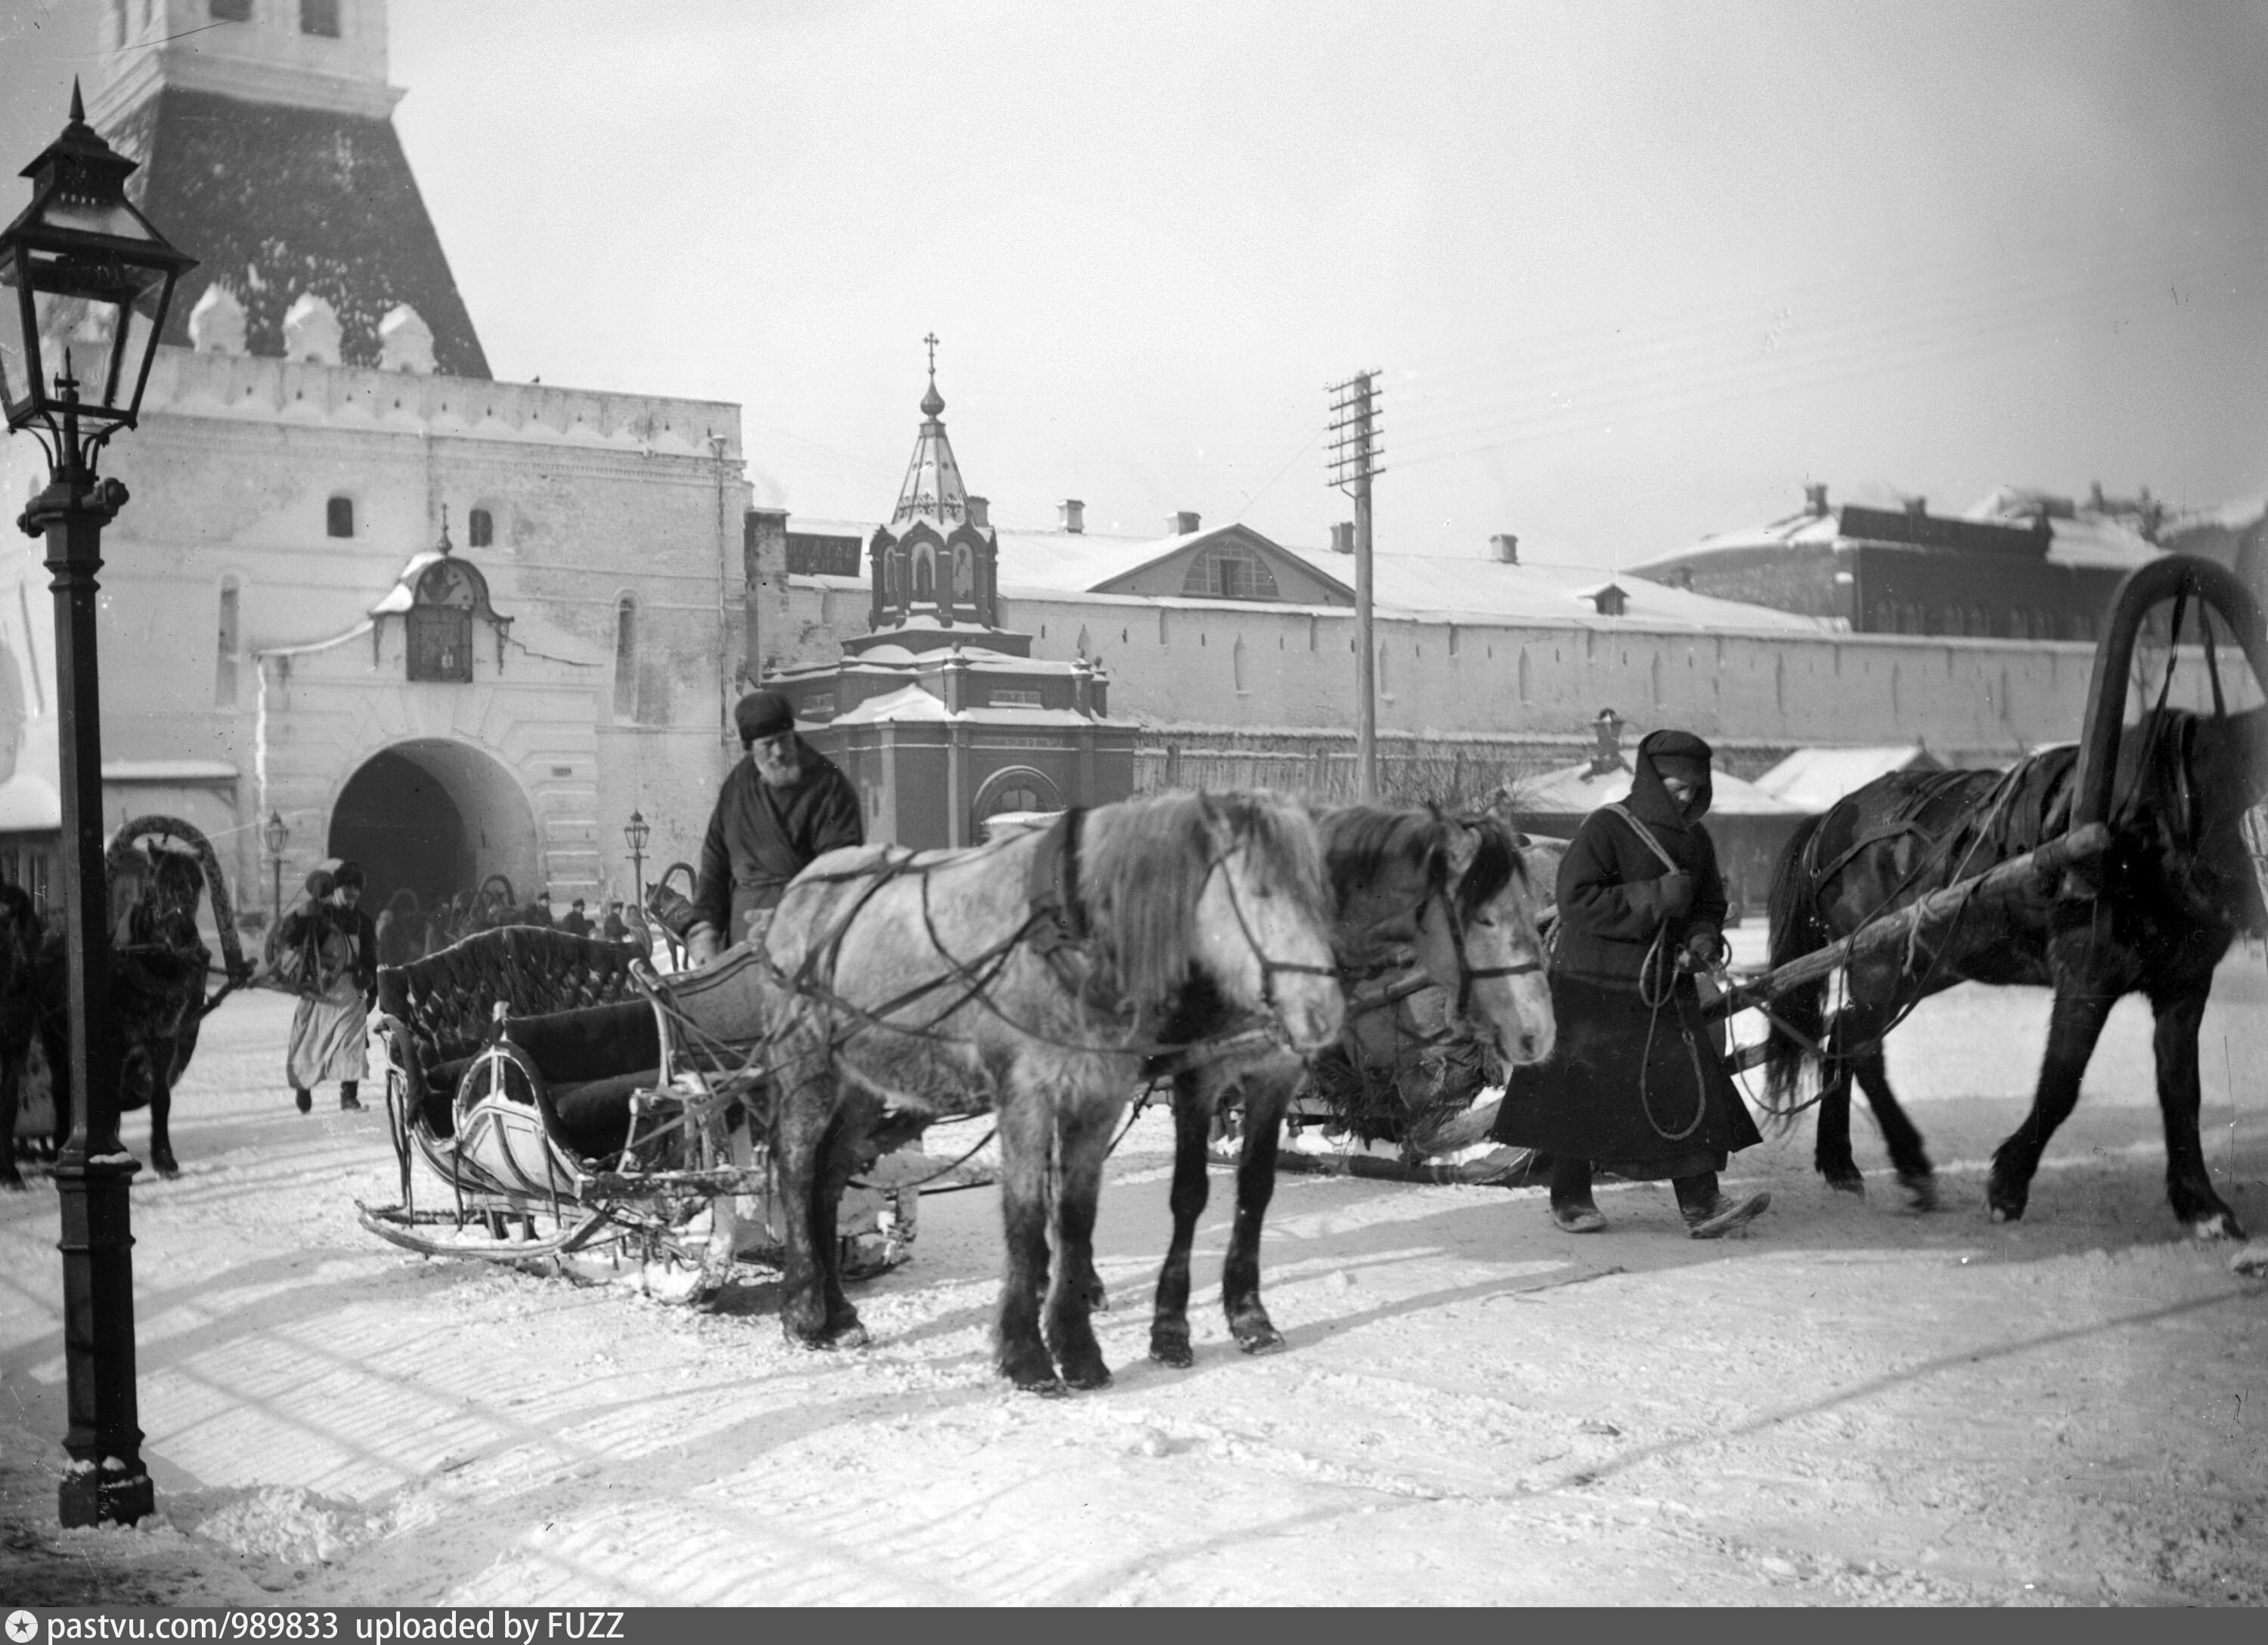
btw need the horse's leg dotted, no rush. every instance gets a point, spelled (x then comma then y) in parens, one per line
(1831, 1150)
(802, 1107)
(11, 1080)
(2189, 1185)
(161, 1107)
(1083, 1142)
(1169, 1320)
(1916, 1175)
(2073, 1026)
(1265, 1098)
(846, 1151)
(1026, 1128)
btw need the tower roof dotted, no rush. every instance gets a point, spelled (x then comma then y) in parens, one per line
(933, 489)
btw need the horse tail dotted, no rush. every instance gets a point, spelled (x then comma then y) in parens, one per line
(1797, 928)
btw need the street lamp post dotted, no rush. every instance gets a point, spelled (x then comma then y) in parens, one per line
(275, 833)
(90, 279)
(636, 832)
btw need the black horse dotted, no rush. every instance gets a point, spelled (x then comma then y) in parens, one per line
(158, 972)
(2174, 890)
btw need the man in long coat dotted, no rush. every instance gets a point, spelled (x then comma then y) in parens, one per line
(1634, 1084)
(780, 808)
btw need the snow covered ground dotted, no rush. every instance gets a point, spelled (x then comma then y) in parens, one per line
(1851, 1403)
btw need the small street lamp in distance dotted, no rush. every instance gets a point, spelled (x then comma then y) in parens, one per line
(275, 834)
(636, 832)
(85, 281)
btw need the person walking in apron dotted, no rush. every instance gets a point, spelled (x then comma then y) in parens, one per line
(1635, 1085)
(335, 947)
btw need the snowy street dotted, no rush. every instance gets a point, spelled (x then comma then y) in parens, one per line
(1849, 1404)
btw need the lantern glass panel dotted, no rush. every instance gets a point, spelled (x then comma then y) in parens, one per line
(91, 313)
(20, 330)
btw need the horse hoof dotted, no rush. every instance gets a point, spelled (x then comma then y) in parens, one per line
(1261, 1340)
(1169, 1351)
(2008, 1213)
(1847, 1183)
(1086, 1378)
(1921, 1192)
(1097, 1299)
(165, 1165)
(2213, 1228)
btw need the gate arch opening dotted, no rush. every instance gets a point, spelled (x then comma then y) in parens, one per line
(435, 817)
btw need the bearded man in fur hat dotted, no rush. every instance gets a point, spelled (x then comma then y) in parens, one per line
(781, 807)
(1635, 1085)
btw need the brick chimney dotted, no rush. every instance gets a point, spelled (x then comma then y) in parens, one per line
(1343, 537)
(1504, 549)
(1071, 515)
(1814, 500)
(1916, 509)
(1183, 523)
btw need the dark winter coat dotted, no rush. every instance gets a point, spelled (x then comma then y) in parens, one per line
(355, 924)
(1634, 1082)
(760, 838)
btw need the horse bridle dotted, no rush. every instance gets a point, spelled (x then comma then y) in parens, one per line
(1271, 967)
(1467, 974)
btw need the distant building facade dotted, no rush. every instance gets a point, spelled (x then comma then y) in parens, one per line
(2025, 566)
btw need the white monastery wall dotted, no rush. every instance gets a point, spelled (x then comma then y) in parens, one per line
(593, 498)
(1264, 669)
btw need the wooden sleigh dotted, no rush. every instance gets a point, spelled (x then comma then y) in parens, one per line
(580, 1112)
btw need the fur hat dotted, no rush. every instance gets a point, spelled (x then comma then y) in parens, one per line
(347, 873)
(763, 714)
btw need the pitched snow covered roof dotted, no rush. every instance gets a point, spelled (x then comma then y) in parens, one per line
(1814, 779)
(1575, 790)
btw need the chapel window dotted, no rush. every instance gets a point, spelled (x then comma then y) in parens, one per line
(480, 528)
(224, 649)
(338, 517)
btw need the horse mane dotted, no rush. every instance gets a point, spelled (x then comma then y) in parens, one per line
(1493, 865)
(1360, 842)
(1145, 862)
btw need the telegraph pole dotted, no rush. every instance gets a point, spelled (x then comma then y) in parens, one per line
(1355, 451)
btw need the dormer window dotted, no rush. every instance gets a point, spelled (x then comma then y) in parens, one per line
(480, 528)
(320, 18)
(338, 517)
(1221, 572)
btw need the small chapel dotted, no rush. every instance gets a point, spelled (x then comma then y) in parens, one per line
(942, 718)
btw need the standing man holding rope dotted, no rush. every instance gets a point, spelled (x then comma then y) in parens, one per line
(781, 807)
(1635, 1085)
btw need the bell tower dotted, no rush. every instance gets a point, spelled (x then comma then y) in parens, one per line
(936, 565)
(265, 130)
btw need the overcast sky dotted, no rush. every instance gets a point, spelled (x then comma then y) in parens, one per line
(1634, 273)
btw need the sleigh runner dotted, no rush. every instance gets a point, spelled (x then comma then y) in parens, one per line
(571, 1101)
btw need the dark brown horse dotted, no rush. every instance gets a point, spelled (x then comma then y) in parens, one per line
(158, 972)
(1412, 890)
(2176, 890)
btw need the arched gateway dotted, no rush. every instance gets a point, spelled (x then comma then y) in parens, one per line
(437, 816)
